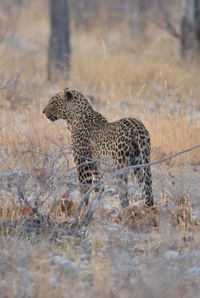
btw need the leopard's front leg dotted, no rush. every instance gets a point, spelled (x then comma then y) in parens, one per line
(84, 174)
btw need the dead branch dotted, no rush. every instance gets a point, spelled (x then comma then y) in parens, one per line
(97, 203)
(168, 22)
(9, 83)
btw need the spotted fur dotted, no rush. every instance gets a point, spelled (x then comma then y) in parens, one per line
(100, 146)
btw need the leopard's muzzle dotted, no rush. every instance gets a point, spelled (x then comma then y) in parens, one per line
(50, 117)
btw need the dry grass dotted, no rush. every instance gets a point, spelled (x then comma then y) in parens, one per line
(137, 252)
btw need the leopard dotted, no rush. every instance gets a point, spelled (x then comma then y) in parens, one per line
(101, 147)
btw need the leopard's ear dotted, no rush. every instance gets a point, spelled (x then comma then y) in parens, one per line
(68, 94)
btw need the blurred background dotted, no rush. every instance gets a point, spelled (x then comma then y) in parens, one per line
(100, 44)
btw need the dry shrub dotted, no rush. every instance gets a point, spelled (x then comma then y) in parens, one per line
(9, 211)
(176, 215)
(6, 210)
(183, 215)
(140, 218)
(179, 214)
(66, 208)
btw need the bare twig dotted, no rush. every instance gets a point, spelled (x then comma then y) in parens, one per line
(33, 152)
(125, 170)
(94, 206)
(10, 82)
(169, 25)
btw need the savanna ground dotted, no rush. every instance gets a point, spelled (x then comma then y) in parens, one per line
(136, 252)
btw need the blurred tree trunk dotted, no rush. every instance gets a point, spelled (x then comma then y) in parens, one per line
(190, 29)
(59, 42)
(142, 23)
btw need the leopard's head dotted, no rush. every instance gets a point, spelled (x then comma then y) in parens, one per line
(69, 105)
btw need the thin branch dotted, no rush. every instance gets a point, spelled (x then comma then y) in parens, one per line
(169, 25)
(125, 170)
(94, 206)
(10, 82)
